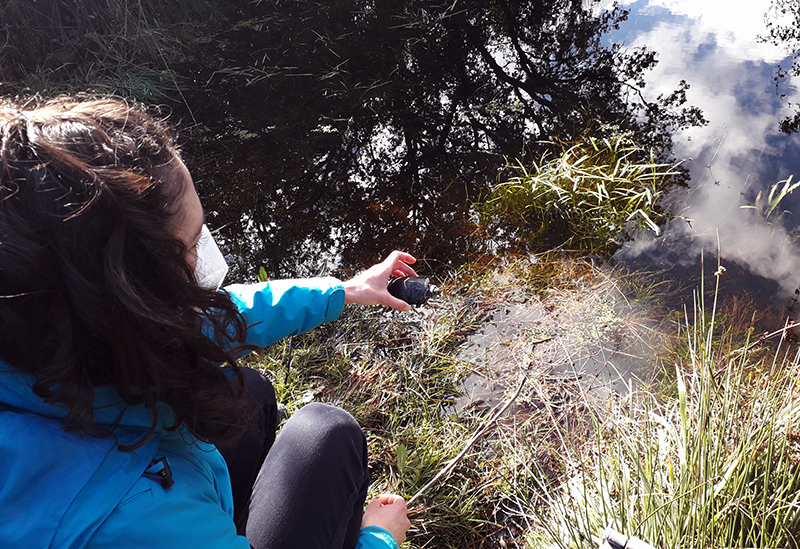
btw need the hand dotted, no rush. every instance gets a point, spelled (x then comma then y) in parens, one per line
(390, 513)
(369, 287)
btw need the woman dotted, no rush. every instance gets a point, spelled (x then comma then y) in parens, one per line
(112, 331)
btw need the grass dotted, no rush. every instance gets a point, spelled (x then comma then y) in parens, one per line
(103, 47)
(713, 466)
(396, 374)
(591, 195)
(769, 208)
(711, 461)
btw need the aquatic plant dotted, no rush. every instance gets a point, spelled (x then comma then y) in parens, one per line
(777, 192)
(591, 195)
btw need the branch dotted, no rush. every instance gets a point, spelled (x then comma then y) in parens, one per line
(447, 469)
(766, 336)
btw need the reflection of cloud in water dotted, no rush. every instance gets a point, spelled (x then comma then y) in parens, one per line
(734, 27)
(740, 151)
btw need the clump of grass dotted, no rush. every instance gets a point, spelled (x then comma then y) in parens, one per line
(769, 208)
(113, 46)
(715, 466)
(591, 195)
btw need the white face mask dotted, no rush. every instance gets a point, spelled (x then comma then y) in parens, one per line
(211, 267)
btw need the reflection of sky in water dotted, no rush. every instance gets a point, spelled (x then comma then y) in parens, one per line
(713, 45)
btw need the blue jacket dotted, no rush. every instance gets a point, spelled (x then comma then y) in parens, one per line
(66, 491)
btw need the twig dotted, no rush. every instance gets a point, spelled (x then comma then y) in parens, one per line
(766, 336)
(549, 408)
(287, 361)
(447, 469)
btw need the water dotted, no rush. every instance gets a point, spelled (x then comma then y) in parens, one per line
(319, 150)
(305, 168)
(733, 162)
(739, 154)
(330, 136)
(594, 335)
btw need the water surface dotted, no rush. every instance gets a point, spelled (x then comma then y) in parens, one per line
(734, 159)
(330, 136)
(332, 133)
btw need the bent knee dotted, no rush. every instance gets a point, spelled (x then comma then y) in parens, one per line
(328, 426)
(327, 419)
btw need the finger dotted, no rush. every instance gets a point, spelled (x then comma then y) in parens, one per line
(394, 303)
(401, 269)
(397, 255)
(388, 499)
(374, 503)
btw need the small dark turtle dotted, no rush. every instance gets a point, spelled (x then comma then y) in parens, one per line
(414, 290)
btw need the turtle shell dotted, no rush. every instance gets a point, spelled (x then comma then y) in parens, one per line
(414, 290)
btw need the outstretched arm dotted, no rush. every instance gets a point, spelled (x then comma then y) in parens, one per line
(280, 308)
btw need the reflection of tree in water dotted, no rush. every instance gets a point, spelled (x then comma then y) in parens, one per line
(382, 119)
(783, 24)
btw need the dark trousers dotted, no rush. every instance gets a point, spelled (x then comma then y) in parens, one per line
(305, 488)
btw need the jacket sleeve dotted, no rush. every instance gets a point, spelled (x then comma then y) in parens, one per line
(277, 309)
(375, 537)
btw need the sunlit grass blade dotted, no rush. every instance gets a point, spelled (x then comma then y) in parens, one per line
(594, 194)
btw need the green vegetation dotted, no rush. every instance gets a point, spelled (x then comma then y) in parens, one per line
(710, 462)
(591, 195)
(396, 374)
(714, 466)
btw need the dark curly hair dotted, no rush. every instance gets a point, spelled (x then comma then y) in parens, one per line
(94, 287)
